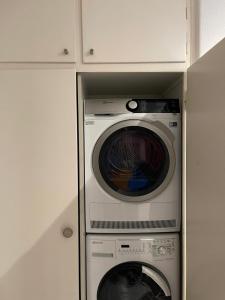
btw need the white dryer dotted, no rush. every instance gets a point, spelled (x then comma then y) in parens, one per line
(132, 165)
(134, 267)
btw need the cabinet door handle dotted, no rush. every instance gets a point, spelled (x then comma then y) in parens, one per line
(67, 232)
(66, 51)
(92, 51)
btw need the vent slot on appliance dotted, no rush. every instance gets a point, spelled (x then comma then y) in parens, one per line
(133, 224)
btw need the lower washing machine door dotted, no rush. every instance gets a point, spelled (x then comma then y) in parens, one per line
(133, 281)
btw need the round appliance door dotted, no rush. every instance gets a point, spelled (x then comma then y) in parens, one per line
(133, 160)
(133, 281)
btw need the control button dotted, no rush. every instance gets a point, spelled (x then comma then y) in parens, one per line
(132, 105)
(162, 250)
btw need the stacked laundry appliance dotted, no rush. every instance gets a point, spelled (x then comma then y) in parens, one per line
(132, 198)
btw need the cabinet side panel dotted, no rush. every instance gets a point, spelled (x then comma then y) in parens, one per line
(206, 177)
(80, 99)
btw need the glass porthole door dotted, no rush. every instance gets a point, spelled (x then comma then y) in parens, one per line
(133, 160)
(133, 281)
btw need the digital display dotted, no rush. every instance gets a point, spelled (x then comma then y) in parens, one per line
(157, 106)
(125, 246)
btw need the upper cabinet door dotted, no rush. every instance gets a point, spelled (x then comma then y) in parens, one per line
(206, 176)
(37, 31)
(117, 31)
(39, 185)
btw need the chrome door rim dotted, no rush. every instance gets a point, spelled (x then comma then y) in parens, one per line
(123, 124)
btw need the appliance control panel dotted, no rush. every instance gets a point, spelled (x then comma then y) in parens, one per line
(149, 248)
(107, 107)
(157, 248)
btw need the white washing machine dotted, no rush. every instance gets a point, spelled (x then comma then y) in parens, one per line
(133, 267)
(132, 165)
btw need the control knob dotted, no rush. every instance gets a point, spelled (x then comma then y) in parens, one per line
(162, 250)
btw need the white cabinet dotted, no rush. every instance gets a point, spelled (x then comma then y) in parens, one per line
(116, 31)
(206, 177)
(38, 174)
(37, 31)
(203, 228)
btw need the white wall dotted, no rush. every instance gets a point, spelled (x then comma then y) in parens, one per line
(209, 24)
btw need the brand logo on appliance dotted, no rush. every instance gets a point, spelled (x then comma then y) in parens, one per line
(97, 242)
(106, 102)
